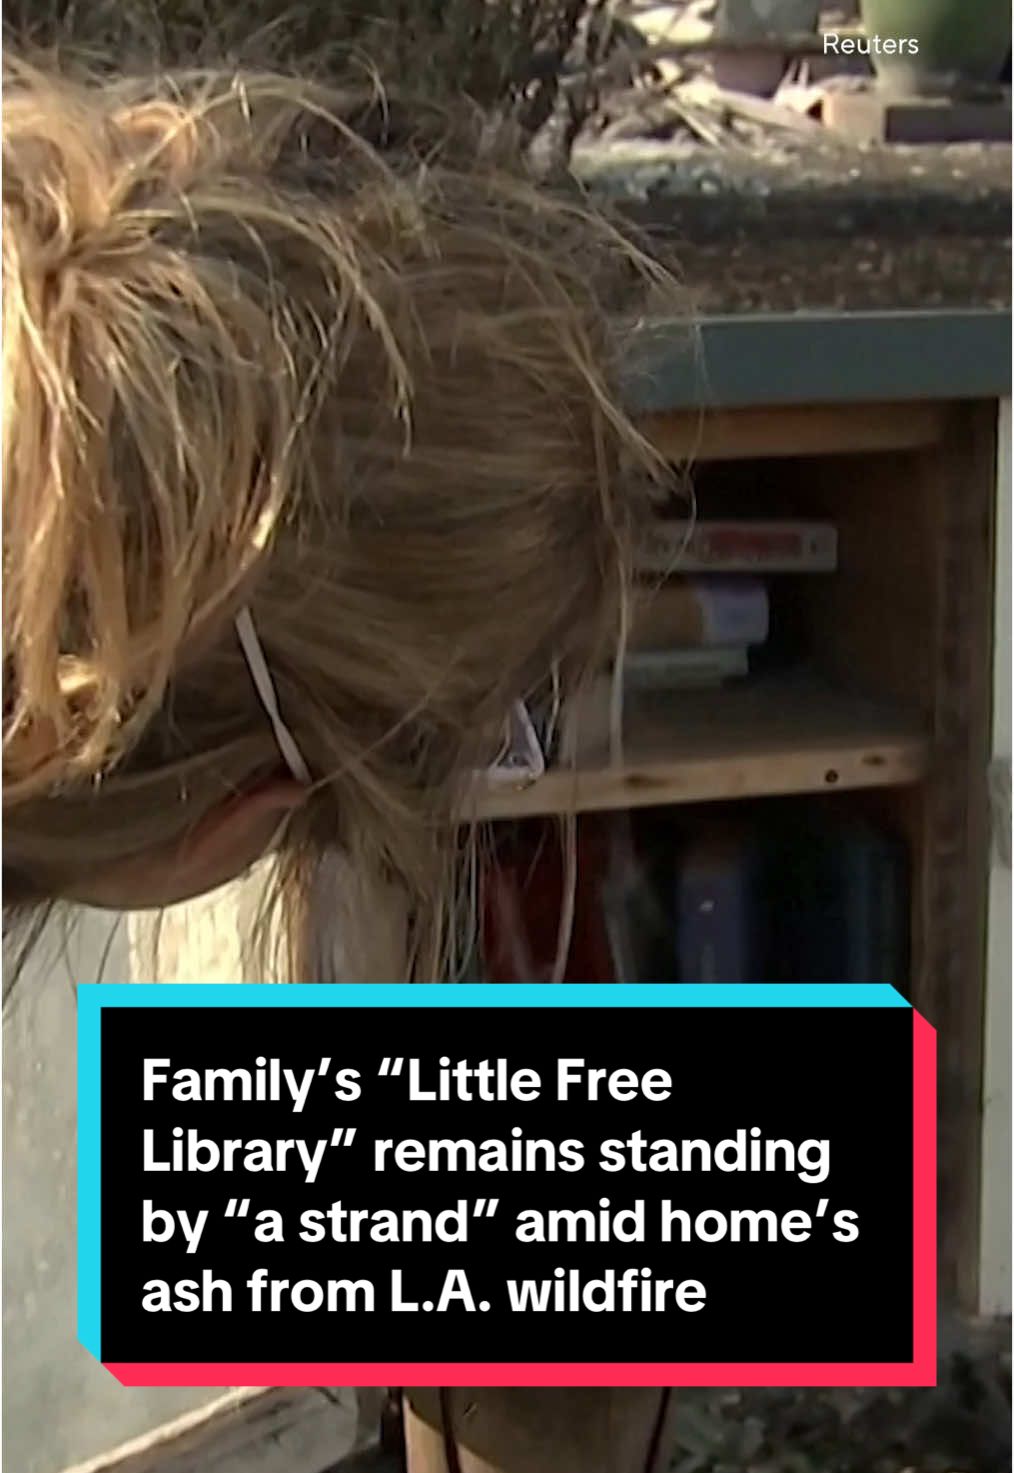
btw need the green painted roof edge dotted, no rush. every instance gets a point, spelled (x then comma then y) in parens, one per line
(818, 358)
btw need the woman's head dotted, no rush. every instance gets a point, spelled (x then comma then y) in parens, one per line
(251, 364)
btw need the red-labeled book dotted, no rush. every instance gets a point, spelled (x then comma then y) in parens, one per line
(738, 547)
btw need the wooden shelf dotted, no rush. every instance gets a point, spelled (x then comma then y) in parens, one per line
(761, 738)
(745, 434)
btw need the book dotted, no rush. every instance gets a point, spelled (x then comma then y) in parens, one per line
(684, 669)
(737, 547)
(694, 612)
(721, 918)
(523, 902)
(839, 898)
(634, 907)
(801, 891)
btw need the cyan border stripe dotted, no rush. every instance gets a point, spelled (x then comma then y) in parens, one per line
(480, 995)
(89, 1168)
(94, 996)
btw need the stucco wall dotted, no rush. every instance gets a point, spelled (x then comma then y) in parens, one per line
(61, 1409)
(60, 1406)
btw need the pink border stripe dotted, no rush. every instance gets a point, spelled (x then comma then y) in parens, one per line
(924, 1200)
(339, 1373)
(921, 1371)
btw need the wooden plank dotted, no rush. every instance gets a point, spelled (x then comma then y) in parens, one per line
(754, 360)
(873, 620)
(542, 1430)
(995, 1232)
(815, 429)
(670, 36)
(873, 117)
(975, 478)
(252, 1430)
(961, 480)
(764, 738)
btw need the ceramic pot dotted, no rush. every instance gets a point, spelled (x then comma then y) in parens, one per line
(758, 71)
(959, 43)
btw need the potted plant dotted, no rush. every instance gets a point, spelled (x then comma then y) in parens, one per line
(958, 43)
(760, 68)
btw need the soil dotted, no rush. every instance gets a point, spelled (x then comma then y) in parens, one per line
(962, 1425)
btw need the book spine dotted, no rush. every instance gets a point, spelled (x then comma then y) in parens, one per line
(681, 669)
(738, 547)
(700, 613)
(717, 912)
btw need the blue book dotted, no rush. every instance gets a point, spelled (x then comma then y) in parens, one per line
(721, 920)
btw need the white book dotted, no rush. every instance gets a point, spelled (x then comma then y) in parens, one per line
(684, 669)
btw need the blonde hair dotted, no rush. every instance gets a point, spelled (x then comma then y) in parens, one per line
(250, 360)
